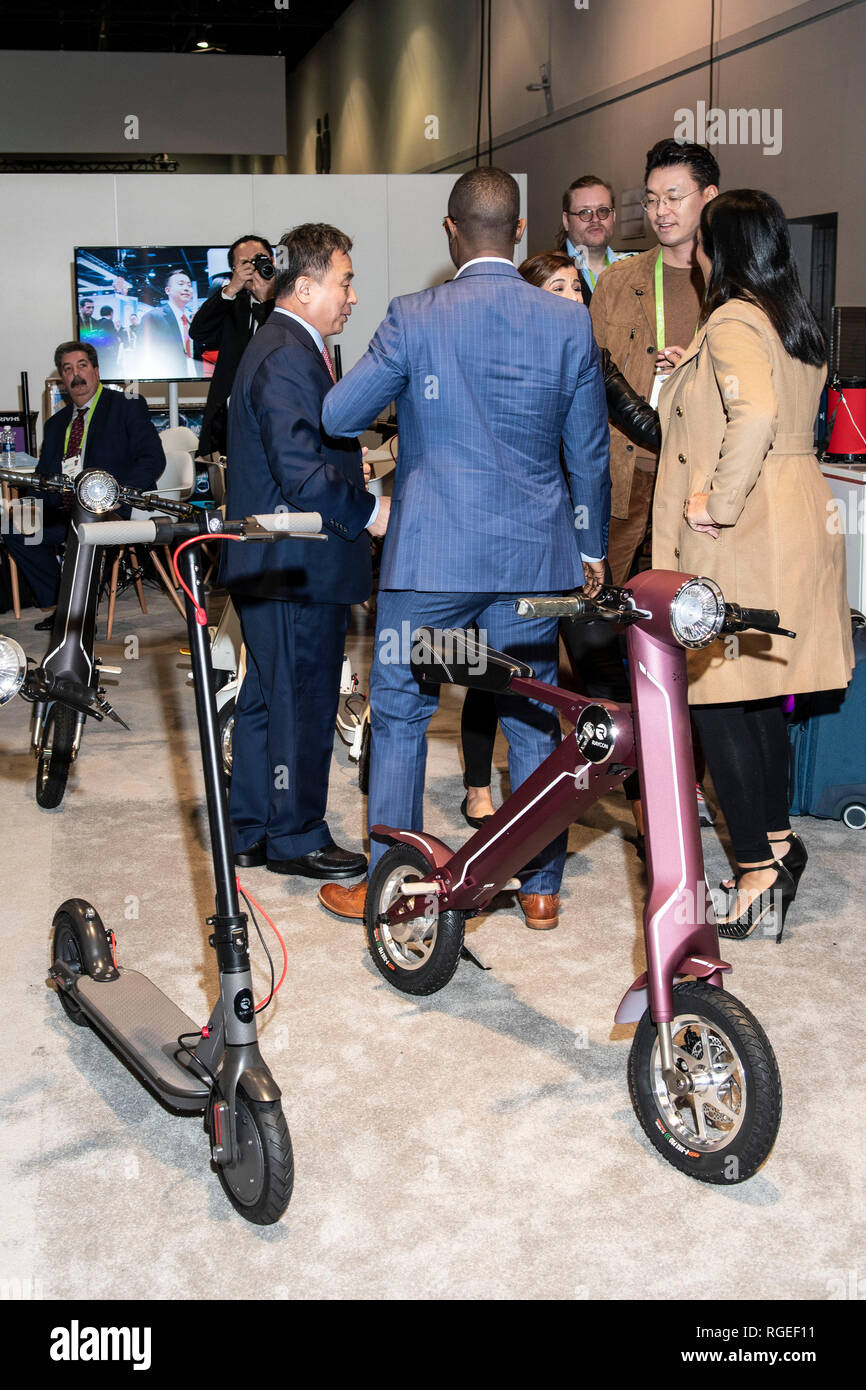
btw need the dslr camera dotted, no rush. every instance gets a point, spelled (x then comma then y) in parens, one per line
(264, 266)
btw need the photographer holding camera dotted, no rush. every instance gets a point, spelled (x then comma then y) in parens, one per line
(226, 322)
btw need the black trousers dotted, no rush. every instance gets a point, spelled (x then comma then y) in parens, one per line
(746, 749)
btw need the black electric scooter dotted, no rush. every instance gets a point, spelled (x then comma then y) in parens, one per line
(217, 1070)
(65, 687)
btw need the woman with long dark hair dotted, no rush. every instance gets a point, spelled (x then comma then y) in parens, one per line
(740, 498)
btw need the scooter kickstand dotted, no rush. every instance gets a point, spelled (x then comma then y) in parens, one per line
(467, 954)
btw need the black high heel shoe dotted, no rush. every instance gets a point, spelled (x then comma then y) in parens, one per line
(774, 901)
(794, 861)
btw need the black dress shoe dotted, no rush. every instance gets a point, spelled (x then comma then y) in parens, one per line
(330, 862)
(252, 858)
(44, 624)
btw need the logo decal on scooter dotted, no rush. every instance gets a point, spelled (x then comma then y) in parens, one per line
(595, 733)
(244, 1006)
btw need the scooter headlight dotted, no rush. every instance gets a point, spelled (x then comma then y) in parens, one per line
(98, 491)
(697, 613)
(13, 669)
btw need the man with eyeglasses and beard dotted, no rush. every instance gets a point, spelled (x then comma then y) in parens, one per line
(645, 311)
(588, 222)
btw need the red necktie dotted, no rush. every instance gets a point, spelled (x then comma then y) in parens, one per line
(76, 433)
(185, 321)
(328, 363)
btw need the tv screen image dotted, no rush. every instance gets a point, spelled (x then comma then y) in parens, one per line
(134, 304)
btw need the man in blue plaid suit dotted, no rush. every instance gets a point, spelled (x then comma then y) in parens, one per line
(490, 376)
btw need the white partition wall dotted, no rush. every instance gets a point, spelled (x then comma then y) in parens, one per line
(394, 220)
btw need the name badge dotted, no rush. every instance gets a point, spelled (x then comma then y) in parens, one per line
(72, 466)
(658, 383)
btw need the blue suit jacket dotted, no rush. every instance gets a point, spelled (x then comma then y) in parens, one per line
(120, 439)
(489, 374)
(278, 457)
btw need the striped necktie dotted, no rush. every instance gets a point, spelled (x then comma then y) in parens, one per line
(328, 363)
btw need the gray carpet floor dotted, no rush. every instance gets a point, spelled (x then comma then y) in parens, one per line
(476, 1144)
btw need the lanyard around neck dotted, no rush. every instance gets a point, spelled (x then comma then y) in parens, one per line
(660, 305)
(87, 419)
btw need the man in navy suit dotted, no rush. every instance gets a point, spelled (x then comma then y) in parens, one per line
(99, 428)
(292, 596)
(489, 375)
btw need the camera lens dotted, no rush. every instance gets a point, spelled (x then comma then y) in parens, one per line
(264, 266)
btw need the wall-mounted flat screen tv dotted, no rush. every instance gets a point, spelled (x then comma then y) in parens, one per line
(134, 304)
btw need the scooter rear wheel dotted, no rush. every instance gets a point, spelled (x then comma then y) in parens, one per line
(65, 948)
(259, 1185)
(724, 1128)
(55, 756)
(422, 956)
(226, 729)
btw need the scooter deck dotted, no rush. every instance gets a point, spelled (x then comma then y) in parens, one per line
(144, 1026)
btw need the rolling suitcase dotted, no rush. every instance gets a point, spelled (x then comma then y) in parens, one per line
(827, 734)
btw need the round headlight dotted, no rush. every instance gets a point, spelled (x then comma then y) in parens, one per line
(697, 613)
(97, 491)
(13, 668)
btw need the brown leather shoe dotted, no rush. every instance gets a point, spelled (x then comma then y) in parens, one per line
(344, 902)
(541, 910)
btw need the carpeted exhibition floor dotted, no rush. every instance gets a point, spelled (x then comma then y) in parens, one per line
(479, 1143)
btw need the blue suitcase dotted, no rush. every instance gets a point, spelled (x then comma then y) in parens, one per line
(827, 734)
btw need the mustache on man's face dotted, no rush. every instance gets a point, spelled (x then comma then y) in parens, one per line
(78, 381)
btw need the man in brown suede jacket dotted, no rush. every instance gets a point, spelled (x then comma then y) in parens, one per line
(645, 333)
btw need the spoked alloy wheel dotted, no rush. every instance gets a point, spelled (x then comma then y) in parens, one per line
(259, 1185)
(421, 954)
(723, 1128)
(55, 755)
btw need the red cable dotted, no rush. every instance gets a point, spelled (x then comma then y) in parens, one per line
(279, 983)
(200, 614)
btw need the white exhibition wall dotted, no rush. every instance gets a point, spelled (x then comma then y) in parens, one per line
(394, 220)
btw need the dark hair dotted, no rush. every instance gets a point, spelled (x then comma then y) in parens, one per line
(175, 270)
(85, 299)
(746, 237)
(65, 348)
(250, 236)
(702, 165)
(486, 202)
(308, 251)
(106, 312)
(539, 268)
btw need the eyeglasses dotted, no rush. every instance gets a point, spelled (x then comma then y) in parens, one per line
(670, 200)
(587, 214)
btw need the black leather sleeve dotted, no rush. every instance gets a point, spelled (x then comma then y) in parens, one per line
(627, 410)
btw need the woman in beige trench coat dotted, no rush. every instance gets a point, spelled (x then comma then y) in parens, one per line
(740, 498)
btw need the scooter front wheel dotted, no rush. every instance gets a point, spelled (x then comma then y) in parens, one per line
(421, 955)
(721, 1129)
(55, 755)
(259, 1185)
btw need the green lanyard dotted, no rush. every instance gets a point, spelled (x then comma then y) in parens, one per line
(91, 404)
(660, 305)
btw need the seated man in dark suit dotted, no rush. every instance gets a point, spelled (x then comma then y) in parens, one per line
(292, 596)
(100, 428)
(225, 322)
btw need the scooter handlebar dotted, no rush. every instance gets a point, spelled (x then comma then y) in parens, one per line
(551, 607)
(117, 532)
(298, 523)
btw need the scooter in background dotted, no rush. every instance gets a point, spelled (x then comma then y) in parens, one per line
(65, 687)
(228, 656)
(703, 1077)
(217, 1069)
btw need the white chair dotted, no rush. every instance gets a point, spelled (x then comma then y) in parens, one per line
(176, 483)
(181, 439)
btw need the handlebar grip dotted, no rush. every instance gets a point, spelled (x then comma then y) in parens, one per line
(305, 523)
(551, 607)
(117, 532)
(763, 619)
